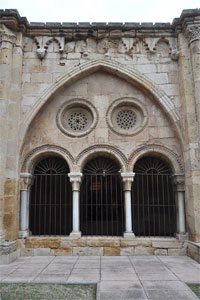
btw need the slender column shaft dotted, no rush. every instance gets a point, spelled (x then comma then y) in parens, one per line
(76, 211)
(128, 180)
(181, 211)
(23, 212)
(75, 179)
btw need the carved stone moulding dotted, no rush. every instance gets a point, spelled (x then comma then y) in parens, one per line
(126, 116)
(77, 118)
(193, 33)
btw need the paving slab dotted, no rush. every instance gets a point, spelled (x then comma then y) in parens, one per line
(127, 277)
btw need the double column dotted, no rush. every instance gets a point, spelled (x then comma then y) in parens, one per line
(26, 181)
(180, 201)
(127, 183)
(75, 179)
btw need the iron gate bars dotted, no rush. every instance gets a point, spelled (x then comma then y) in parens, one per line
(51, 199)
(102, 205)
(153, 202)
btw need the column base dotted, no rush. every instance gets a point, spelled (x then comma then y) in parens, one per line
(182, 236)
(75, 234)
(23, 234)
(129, 235)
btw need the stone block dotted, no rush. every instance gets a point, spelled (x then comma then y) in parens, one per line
(26, 252)
(68, 242)
(103, 242)
(144, 251)
(135, 242)
(10, 187)
(167, 244)
(42, 252)
(177, 252)
(127, 251)
(160, 252)
(86, 251)
(43, 242)
(62, 251)
(41, 78)
(111, 251)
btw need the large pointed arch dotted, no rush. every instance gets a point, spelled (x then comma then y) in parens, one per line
(130, 75)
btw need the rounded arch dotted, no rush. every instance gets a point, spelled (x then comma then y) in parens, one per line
(132, 76)
(157, 150)
(34, 156)
(103, 150)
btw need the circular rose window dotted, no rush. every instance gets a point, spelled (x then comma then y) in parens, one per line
(126, 116)
(76, 117)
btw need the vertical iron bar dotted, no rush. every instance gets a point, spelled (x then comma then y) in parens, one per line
(138, 206)
(163, 206)
(111, 202)
(149, 222)
(96, 194)
(50, 186)
(143, 208)
(116, 206)
(158, 198)
(65, 203)
(169, 207)
(152, 182)
(61, 177)
(91, 202)
(39, 214)
(34, 206)
(106, 185)
(45, 204)
(102, 206)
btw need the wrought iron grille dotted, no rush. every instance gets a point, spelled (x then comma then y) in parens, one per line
(51, 199)
(102, 207)
(153, 202)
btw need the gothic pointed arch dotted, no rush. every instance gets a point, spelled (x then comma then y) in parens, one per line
(130, 75)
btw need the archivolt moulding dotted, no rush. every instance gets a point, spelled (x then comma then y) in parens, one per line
(36, 154)
(132, 76)
(173, 159)
(99, 149)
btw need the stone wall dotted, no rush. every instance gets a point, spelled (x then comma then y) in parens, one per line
(43, 65)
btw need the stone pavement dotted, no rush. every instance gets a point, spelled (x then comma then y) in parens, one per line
(118, 277)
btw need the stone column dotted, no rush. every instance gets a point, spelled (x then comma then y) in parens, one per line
(180, 200)
(127, 183)
(26, 182)
(75, 179)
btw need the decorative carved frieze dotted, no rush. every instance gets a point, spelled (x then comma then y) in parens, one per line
(6, 35)
(193, 33)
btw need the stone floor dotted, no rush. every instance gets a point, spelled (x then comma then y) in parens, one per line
(118, 277)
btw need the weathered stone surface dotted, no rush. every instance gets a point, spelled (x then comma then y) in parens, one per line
(161, 252)
(69, 242)
(144, 251)
(177, 252)
(26, 252)
(127, 251)
(102, 242)
(136, 242)
(111, 251)
(42, 251)
(167, 244)
(85, 251)
(43, 242)
(62, 251)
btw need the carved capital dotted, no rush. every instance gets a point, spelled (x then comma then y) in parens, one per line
(6, 35)
(26, 181)
(193, 33)
(127, 179)
(75, 179)
(179, 182)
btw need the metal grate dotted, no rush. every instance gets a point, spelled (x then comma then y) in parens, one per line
(102, 207)
(153, 203)
(51, 199)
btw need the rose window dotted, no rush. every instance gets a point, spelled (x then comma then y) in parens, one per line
(77, 121)
(126, 119)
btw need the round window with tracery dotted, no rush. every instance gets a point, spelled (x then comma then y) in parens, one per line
(77, 121)
(76, 117)
(126, 119)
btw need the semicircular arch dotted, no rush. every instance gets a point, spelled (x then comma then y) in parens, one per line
(167, 154)
(101, 149)
(33, 157)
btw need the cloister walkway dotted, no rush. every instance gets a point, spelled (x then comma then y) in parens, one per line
(117, 277)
